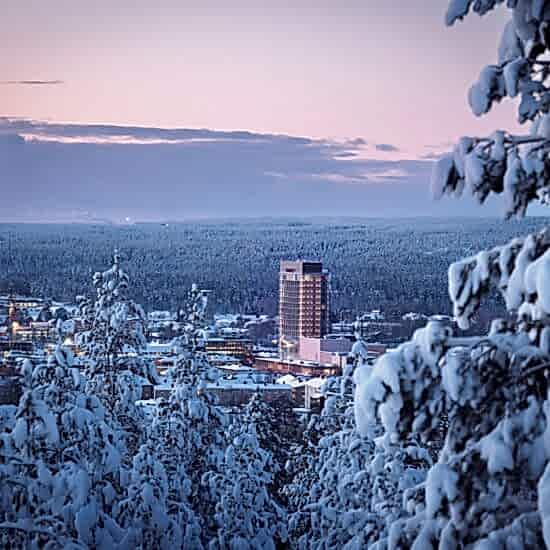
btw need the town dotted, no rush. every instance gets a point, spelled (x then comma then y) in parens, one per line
(285, 358)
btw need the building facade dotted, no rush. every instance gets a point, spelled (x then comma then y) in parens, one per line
(303, 304)
(240, 348)
(295, 367)
(326, 351)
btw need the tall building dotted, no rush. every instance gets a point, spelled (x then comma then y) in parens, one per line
(303, 303)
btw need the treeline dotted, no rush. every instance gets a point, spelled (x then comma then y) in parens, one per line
(397, 266)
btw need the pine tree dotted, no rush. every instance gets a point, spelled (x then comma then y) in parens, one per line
(245, 515)
(188, 427)
(487, 489)
(361, 479)
(58, 457)
(305, 467)
(277, 429)
(169, 442)
(26, 481)
(112, 343)
(144, 512)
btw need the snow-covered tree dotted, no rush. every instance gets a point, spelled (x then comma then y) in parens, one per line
(361, 479)
(65, 459)
(146, 513)
(25, 478)
(313, 467)
(188, 428)
(304, 462)
(245, 515)
(57, 459)
(193, 317)
(170, 442)
(487, 488)
(277, 429)
(358, 357)
(191, 398)
(513, 165)
(329, 513)
(112, 341)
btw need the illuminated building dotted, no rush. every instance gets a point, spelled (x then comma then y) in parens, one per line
(240, 348)
(265, 363)
(34, 332)
(303, 303)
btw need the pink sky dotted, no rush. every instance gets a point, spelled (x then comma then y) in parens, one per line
(386, 71)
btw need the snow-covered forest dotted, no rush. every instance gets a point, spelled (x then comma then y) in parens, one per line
(442, 443)
(84, 465)
(393, 265)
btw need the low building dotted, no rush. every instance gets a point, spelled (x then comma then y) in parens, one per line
(239, 348)
(295, 366)
(239, 394)
(326, 351)
(7, 345)
(35, 331)
(306, 394)
(20, 302)
(314, 399)
(232, 393)
(234, 369)
(161, 316)
(262, 329)
(155, 351)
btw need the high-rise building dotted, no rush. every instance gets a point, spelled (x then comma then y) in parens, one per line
(303, 303)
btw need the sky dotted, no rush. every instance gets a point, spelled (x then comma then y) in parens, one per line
(387, 77)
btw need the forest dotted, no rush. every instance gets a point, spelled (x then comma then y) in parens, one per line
(397, 266)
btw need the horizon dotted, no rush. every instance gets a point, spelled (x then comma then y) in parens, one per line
(303, 220)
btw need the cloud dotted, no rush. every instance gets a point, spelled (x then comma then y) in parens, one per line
(388, 174)
(386, 147)
(357, 142)
(31, 82)
(436, 151)
(338, 178)
(112, 172)
(102, 139)
(432, 156)
(445, 145)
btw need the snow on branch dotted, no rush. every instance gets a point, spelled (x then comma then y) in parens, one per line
(399, 391)
(520, 270)
(458, 9)
(514, 166)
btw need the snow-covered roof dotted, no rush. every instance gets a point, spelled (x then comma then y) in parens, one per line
(221, 359)
(257, 320)
(413, 316)
(161, 315)
(153, 347)
(267, 354)
(296, 362)
(288, 379)
(315, 382)
(253, 386)
(236, 368)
